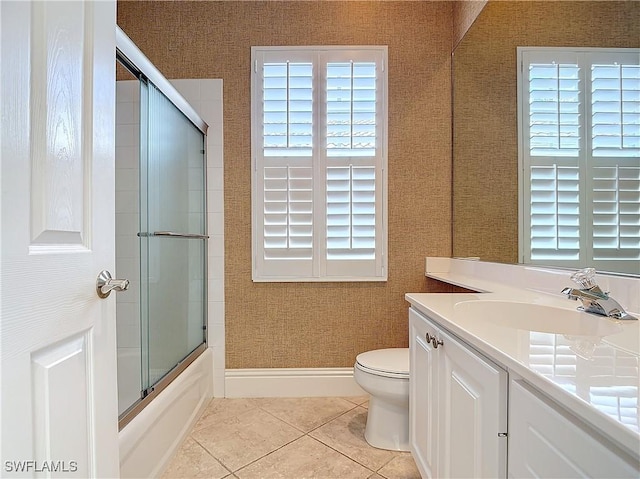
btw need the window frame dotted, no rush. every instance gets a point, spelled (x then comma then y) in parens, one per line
(319, 268)
(584, 57)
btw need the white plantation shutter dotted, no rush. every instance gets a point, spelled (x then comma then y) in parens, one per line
(554, 117)
(614, 179)
(352, 129)
(285, 179)
(351, 108)
(615, 107)
(288, 212)
(319, 155)
(287, 109)
(615, 203)
(351, 209)
(552, 146)
(580, 154)
(555, 212)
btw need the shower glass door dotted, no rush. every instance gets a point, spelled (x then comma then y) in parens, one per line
(161, 242)
(172, 239)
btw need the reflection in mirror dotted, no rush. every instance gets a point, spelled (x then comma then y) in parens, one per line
(485, 131)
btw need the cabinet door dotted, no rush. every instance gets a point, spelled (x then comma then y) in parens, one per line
(422, 396)
(545, 441)
(473, 411)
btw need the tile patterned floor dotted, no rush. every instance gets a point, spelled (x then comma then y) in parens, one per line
(286, 438)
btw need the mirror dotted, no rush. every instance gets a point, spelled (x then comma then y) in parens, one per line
(485, 130)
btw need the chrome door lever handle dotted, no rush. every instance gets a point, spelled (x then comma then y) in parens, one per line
(105, 284)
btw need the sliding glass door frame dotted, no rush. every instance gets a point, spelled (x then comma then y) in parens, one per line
(128, 54)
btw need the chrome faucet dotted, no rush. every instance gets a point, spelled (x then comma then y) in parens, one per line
(593, 299)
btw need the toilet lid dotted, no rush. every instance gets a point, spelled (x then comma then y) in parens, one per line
(394, 361)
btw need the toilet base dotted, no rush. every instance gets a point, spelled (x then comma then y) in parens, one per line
(388, 425)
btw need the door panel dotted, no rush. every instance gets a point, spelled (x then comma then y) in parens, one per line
(58, 175)
(62, 403)
(464, 405)
(423, 391)
(59, 406)
(472, 395)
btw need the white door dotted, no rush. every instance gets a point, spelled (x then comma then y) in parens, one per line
(423, 393)
(59, 400)
(473, 414)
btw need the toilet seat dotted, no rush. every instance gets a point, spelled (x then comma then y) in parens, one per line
(390, 363)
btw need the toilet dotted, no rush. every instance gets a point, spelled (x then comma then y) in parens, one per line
(384, 374)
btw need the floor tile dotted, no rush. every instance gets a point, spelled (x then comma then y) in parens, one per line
(304, 458)
(346, 435)
(220, 409)
(193, 461)
(264, 437)
(357, 399)
(305, 414)
(242, 439)
(400, 467)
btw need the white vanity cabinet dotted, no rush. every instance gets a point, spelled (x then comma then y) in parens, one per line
(546, 441)
(458, 406)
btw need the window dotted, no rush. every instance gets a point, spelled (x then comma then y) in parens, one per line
(319, 156)
(579, 122)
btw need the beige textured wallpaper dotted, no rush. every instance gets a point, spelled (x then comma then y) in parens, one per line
(485, 153)
(464, 14)
(321, 324)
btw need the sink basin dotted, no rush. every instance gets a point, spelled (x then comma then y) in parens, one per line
(538, 317)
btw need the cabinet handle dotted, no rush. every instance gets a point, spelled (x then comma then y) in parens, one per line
(435, 342)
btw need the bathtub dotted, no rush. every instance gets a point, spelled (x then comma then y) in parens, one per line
(150, 440)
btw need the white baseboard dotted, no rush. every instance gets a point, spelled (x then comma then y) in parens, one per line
(291, 382)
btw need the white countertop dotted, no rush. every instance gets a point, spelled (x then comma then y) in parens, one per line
(594, 371)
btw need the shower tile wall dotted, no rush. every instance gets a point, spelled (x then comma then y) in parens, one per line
(205, 96)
